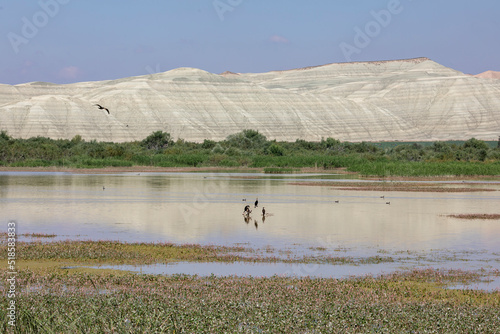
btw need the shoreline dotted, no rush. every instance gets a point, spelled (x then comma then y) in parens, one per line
(256, 170)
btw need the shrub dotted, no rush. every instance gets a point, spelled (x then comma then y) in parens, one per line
(157, 141)
(232, 151)
(208, 144)
(218, 149)
(276, 150)
(247, 139)
(476, 144)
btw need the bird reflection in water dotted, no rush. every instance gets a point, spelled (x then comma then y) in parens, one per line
(247, 218)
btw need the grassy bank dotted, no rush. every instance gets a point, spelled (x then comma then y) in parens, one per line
(251, 149)
(49, 302)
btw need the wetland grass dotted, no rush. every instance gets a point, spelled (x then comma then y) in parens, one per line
(471, 216)
(113, 252)
(39, 235)
(402, 302)
(394, 186)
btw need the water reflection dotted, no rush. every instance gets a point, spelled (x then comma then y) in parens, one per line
(488, 283)
(206, 208)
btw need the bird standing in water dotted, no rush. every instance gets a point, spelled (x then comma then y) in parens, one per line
(263, 212)
(256, 202)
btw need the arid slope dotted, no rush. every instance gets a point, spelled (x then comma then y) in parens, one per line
(415, 99)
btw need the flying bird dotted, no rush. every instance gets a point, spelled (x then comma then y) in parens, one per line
(101, 107)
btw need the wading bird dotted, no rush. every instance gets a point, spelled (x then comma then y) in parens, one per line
(101, 107)
(263, 212)
(256, 202)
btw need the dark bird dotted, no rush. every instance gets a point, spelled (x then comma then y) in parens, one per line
(382, 196)
(263, 212)
(389, 203)
(103, 188)
(244, 199)
(247, 209)
(336, 201)
(101, 107)
(256, 202)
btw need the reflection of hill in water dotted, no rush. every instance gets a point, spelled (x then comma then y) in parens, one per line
(414, 99)
(184, 208)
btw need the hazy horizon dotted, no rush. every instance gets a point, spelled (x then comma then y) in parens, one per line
(66, 41)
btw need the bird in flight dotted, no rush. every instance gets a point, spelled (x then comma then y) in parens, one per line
(101, 107)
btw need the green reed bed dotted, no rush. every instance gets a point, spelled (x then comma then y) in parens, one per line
(415, 301)
(250, 148)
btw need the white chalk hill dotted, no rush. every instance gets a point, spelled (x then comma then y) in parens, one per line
(414, 99)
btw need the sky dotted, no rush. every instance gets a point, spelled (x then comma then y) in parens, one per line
(66, 41)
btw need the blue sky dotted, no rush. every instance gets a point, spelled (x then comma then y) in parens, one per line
(66, 41)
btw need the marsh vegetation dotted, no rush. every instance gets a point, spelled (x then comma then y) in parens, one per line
(54, 297)
(66, 302)
(250, 148)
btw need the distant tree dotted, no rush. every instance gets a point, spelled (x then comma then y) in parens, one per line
(208, 144)
(330, 143)
(440, 147)
(76, 139)
(5, 136)
(218, 149)
(247, 139)
(482, 154)
(157, 140)
(276, 149)
(476, 144)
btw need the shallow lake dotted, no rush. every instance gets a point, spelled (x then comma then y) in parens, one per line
(206, 208)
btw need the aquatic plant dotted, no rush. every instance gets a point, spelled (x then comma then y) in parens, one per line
(400, 302)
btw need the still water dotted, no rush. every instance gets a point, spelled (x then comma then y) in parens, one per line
(207, 209)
